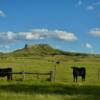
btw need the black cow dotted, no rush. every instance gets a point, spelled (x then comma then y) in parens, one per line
(6, 72)
(79, 72)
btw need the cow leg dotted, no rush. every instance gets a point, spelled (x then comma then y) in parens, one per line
(76, 78)
(9, 77)
(83, 78)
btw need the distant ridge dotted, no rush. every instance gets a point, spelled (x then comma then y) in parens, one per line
(37, 50)
(30, 50)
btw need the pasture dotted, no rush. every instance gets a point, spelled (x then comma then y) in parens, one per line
(62, 88)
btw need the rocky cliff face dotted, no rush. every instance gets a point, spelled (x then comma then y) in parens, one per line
(28, 46)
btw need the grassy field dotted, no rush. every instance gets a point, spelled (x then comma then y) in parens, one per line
(63, 88)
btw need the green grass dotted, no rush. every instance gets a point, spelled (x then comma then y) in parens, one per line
(48, 91)
(63, 88)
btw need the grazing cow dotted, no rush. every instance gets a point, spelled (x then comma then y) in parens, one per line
(79, 72)
(6, 72)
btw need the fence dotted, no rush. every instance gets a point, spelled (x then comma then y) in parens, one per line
(23, 74)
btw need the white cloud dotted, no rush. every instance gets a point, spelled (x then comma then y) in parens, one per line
(95, 32)
(41, 33)
(10, 35)
(93, 6)
(90, 7)
(5, 46)
(36, 34)
(2, 13)
(88, 45)
(62, 35)
(97, 3)
(30, 36)
(7, 36)
(79, 3)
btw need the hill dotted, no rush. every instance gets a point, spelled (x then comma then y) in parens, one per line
(42, 50)
(37, 50)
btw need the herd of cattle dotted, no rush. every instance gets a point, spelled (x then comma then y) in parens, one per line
(76, 72)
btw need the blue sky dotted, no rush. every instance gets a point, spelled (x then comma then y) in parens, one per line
(70, 25)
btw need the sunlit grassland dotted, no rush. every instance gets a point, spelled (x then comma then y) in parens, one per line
(46, 64)
(63, 88)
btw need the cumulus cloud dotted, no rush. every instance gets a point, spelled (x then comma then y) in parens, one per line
(37, 34)
(95, 32)
(62, 35)
(5, 46)
(93, 6)
(97, 3)
(8, 39)
(33, 36)
(7, 36)
(80, 2)
(2, 13)
(27, 36)
(30, 36)
(90, 7)
(10, 35)
(88, 46)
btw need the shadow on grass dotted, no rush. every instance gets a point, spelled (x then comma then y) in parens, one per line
(52, 89)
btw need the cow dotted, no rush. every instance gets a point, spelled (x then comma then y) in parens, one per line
(79, 72)
(6, 72)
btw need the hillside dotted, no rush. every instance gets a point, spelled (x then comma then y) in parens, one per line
(37, 50)
(43, 50)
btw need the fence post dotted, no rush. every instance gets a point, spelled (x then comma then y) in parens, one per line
(23, 75)
(37, 75)
(52, 76)
(54, 73)
(98, 75)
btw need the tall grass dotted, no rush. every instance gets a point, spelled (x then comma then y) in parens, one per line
(48, 91)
